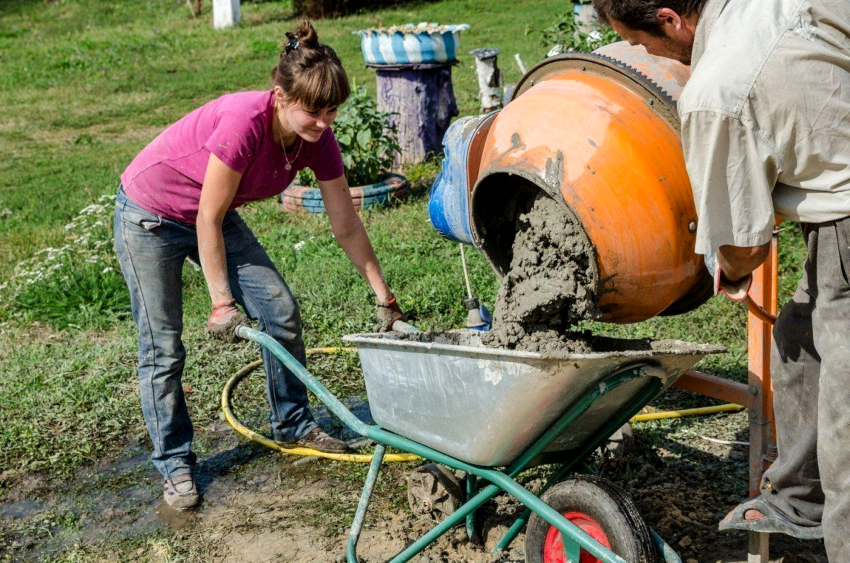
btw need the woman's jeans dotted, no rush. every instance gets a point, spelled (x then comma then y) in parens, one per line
(151, 251)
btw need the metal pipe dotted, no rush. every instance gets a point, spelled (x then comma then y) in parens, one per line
(471, 487)
(363, 505)
(759, 311)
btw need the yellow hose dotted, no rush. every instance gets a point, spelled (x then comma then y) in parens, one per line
(729, 407)
(251, 435)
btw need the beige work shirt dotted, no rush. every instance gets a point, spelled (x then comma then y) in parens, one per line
(766, 117)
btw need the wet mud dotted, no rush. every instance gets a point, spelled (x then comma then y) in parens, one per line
(548, 288)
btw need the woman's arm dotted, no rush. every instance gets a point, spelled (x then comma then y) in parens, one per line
(351, 235)
(220, 184)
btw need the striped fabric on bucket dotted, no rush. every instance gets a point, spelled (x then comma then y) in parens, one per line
(409, 44)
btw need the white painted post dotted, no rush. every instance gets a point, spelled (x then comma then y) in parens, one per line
(226, 13)
(489, 78)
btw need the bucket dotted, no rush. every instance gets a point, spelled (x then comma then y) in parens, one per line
(448, 203)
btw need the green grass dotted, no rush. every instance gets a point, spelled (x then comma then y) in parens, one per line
(85, 85)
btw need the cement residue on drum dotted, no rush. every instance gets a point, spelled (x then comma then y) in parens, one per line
(548, 288)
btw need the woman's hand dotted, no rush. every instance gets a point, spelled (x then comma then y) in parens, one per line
(388, 313)
(351, 235)
(224, 321)
(217, 193)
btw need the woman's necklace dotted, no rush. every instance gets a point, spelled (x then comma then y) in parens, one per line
(288, 164)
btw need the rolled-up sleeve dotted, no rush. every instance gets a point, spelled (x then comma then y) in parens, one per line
(733, 172)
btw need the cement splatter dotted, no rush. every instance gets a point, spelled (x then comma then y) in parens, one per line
(549, 286)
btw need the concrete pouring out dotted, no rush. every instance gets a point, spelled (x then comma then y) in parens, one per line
(548, 288)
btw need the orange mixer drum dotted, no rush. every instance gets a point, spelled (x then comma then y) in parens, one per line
(601, 132)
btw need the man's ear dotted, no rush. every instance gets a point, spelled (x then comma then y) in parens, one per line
(669, 18)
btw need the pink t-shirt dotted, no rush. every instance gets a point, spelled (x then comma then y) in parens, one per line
(166, 177)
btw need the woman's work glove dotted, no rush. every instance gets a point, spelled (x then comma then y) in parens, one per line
(388, 313)
(224, 321)
(737, 290)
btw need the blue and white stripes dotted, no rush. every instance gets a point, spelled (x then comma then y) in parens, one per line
(409, 44)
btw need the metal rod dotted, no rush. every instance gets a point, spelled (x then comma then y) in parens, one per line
(465, 272)
(363, 505)
(519, 63)
(664, 548)
(471, 487)
(762, 432)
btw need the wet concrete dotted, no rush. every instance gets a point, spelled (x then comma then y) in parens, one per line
(548, 288)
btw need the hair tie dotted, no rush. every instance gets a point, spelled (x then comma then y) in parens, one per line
(291, 44)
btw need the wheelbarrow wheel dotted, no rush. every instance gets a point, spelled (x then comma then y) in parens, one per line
(601, 510)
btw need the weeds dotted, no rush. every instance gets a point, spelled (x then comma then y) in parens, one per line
(77, 285)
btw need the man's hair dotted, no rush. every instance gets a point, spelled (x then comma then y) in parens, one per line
(640, 14)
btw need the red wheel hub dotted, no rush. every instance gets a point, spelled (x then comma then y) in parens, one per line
(553, 546)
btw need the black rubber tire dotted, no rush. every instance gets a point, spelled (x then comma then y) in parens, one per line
(604, 502)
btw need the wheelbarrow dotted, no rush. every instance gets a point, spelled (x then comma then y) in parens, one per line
(491, 413)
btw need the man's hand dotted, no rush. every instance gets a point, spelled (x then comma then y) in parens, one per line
(734, 290)
(388, 313)
(224, 320)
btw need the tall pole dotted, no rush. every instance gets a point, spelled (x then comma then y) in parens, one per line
(764, 292)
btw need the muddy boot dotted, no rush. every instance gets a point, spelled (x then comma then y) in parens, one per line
(181, 492)
(317, 439)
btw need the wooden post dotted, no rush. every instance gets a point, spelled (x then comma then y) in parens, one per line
(489, 78)
(423, 103)
(226, 13)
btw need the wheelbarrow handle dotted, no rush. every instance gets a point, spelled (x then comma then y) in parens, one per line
(401, 326)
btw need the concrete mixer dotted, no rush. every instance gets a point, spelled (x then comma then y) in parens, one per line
(599, 133)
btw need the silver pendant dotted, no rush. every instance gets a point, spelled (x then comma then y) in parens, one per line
(288, 166)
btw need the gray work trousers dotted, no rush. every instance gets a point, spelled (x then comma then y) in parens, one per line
(810, 480)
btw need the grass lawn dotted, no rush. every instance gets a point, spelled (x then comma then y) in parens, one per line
(85, 85)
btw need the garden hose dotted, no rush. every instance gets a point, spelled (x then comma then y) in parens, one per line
(728, 407)
(237, 377)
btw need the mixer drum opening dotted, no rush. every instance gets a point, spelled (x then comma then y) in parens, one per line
(498, 202)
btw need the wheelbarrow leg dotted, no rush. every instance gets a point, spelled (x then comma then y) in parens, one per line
(471, 489)
(664, 549)
(363, 505)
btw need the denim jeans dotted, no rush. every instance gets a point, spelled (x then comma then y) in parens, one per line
(151, 251)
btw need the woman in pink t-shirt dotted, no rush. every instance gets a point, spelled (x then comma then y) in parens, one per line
(178, 200)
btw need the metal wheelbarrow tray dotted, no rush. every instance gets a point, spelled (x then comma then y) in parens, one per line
(486, 405)
(493, 413)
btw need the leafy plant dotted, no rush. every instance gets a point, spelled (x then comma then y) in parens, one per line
(367, 141)
(571, 36)
(77, 284)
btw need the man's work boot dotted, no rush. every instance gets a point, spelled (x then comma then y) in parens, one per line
(181, 492)
(317, 439)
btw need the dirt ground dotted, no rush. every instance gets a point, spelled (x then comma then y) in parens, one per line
(261, 506)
